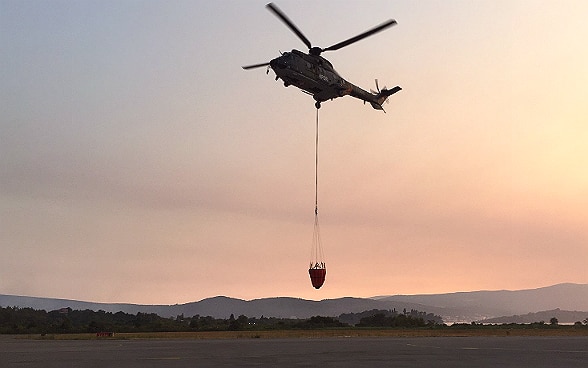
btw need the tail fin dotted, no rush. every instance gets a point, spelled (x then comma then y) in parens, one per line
(382, 96)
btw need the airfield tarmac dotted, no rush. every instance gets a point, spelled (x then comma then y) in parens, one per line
(515, 351)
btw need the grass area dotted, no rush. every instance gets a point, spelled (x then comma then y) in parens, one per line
(326, 333)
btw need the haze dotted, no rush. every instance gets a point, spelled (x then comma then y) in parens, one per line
(139, 163)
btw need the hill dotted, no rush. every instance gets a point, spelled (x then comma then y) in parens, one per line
(223, 307)
(563, 317)
(465, 306)
(453, 307)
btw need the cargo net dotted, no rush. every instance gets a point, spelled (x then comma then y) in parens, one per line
(317, 268)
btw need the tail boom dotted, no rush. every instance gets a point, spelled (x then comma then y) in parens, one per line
(376, 99)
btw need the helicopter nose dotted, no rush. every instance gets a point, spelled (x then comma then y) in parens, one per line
(277, 63)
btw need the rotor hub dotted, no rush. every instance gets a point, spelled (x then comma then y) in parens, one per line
(316, 51)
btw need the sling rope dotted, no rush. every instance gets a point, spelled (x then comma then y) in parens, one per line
(317, 257)
(316, 165)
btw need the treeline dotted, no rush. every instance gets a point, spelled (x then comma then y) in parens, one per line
(390, 318)
(14, 320)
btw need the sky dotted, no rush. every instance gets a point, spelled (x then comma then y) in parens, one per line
(140, 164)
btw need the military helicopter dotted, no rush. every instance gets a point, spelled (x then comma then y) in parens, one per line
(315, 75)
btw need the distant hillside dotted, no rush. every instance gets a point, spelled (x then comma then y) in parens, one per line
(489, 304)
(294, 307)
(563, 317)
(453, 307)
(223, 307)
(50, 304)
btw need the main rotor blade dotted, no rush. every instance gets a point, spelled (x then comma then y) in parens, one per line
(372, 31)
(289, 23)
(255, 66)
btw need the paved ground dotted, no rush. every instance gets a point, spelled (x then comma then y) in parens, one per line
(517, 352)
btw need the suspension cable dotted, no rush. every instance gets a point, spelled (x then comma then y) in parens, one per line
(317, 256)
(316, 165)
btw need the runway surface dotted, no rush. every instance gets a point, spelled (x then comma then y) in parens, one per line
(517, 352)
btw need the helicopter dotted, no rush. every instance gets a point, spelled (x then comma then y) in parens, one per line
(315, 75)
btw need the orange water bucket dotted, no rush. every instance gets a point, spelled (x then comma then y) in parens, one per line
(317, 276)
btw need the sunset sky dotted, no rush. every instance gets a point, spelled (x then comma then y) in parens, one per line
(139, 163)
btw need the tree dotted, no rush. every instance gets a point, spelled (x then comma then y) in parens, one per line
(553, 321)
(239, 323)
(401, 320)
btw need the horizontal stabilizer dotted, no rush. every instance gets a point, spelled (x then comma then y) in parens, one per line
(382, 96)
(392, 91)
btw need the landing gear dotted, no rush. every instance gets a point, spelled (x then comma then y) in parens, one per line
(318, 105)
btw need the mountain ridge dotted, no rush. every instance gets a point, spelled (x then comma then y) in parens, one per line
(562, 316)
(565, 296)
(452, 307)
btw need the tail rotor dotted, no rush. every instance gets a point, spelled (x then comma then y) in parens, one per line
(382, 95)
(378, 91)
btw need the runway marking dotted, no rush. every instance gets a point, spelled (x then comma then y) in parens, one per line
(500, 349)
(424, 346)
(162, 358)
